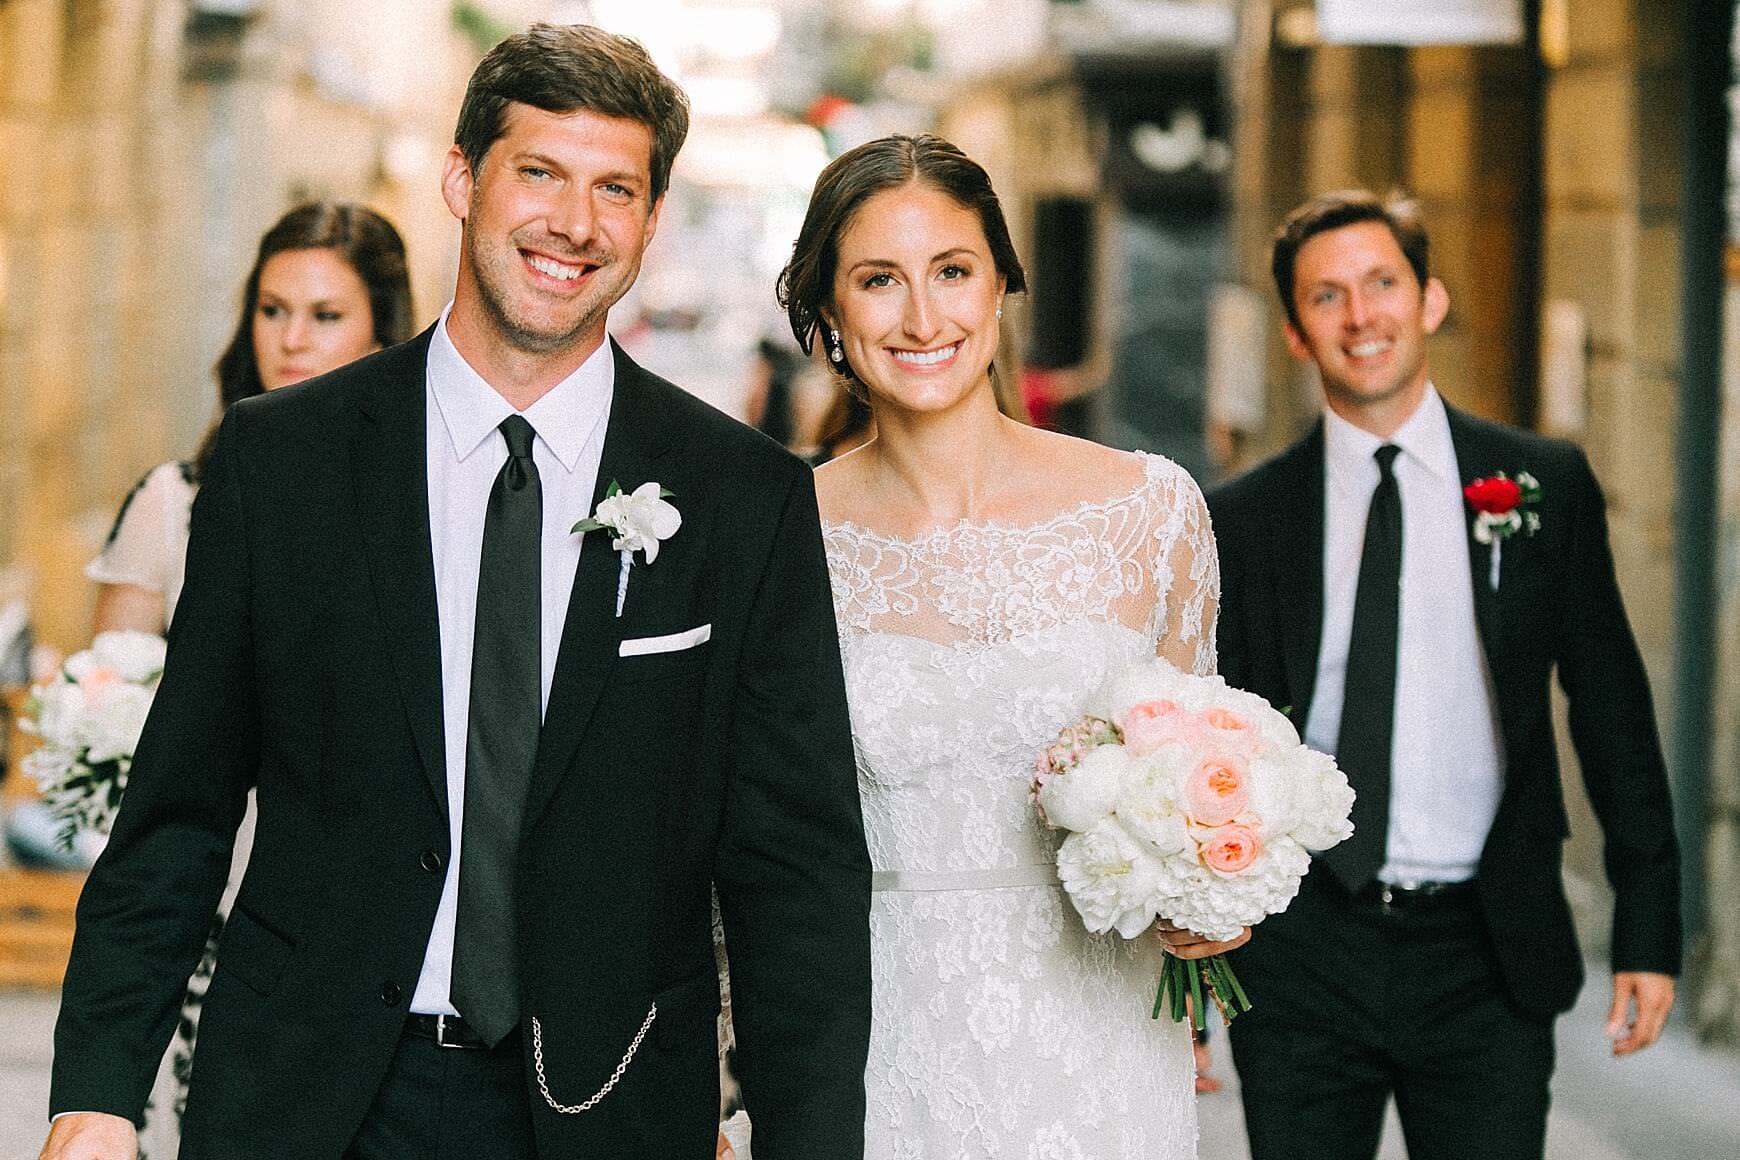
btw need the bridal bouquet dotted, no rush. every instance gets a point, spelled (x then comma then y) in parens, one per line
(89, 717)
(1186, 800)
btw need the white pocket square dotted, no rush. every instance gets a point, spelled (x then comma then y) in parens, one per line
(641, 646)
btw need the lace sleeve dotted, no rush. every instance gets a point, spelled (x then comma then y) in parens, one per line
(1188, 571)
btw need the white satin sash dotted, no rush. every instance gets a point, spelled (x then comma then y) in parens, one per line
(996, 878)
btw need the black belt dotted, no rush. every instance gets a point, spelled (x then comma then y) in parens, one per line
(446, 1031)
(1415, 894)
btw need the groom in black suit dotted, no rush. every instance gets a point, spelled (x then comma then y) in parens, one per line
(500, 766)
(1415, 639)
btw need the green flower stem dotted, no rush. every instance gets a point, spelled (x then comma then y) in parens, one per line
(1198, 1016)
(1203, 981)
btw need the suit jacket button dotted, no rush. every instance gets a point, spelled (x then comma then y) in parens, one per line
(391, 993)
(430, 861)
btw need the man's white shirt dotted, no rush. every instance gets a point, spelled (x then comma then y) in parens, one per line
(465, 451)
(1447, 756)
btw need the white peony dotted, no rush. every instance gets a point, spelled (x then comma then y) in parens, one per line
(1275, 791)
(135, 657)
(1273, 726)
(58, 710)
(1217, 906)
(1109, 879)
(1158, 825)
(1326, 801)
(1087, 794)
(114, 722)
(1163, 773)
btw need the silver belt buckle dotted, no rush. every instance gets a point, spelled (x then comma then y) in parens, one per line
(441, 1033)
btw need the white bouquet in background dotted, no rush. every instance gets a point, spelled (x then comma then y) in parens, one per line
(89, 718)
(1190, 801)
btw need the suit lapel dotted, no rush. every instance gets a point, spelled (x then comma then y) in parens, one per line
(1475, 457)
(1298, 563)
(634, 439)
(389, 466)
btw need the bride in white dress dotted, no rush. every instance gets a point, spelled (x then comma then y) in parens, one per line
(987, 577)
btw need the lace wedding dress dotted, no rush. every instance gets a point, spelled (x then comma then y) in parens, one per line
(1001, 1028)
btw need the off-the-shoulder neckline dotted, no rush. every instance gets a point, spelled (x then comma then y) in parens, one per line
(1152, 467)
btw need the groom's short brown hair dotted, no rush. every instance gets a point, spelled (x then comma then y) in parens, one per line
(1346, 207)
(563, 68)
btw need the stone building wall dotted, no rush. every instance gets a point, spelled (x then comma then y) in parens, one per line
(139, 163)
(1570, 197)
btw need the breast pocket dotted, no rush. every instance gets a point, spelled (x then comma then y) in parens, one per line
(666, 655)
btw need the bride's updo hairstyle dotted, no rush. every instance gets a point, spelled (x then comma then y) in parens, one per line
(806, 285)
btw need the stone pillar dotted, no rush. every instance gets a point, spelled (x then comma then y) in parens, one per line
(1611, 247)
(1716, 1003)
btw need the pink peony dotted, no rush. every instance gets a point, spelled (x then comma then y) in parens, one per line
(1224, 727)
(99, 680)
(1216, 792)
(1230, 849)
(1150, 724)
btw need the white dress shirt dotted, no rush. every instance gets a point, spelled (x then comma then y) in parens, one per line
(465, 451)
(1447, 757)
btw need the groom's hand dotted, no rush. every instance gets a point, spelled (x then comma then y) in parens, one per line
(1187, 944)
(91, 1136)
(1653, 996)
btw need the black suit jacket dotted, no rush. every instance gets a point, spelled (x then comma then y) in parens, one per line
(1557, 608)
(304, 660)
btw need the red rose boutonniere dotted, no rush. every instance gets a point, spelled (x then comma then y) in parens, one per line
(1501, 504)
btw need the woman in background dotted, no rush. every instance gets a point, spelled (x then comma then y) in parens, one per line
(329, 285)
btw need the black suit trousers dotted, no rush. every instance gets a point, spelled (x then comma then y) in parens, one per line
(446, 1103)
(1355, 1000)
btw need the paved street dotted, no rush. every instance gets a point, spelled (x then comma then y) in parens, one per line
(1677, 1101)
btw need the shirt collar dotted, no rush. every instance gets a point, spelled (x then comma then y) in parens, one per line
(1423, 438)
(565, 418)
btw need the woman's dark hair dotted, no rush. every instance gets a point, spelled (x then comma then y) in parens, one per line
(1346, 207)
(806, 285)
(562, 68)
(366, 241)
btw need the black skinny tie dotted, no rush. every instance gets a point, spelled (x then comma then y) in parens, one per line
(501, 741)
(1368, 707)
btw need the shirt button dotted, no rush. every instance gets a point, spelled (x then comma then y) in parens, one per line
(391, 993)
(430, 861)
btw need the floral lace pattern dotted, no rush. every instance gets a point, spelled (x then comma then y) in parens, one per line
(1001, 1028)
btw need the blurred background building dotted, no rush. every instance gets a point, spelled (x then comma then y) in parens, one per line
(1144, 150)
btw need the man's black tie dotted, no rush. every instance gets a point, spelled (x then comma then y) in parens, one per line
(1368, 707)
(501, 741)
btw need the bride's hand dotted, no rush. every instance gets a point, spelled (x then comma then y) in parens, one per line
(1187, 944)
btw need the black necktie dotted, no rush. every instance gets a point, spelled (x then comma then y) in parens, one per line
(1368, 707)
(501, 740)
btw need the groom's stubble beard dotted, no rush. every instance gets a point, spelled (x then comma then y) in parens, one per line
(492, 274)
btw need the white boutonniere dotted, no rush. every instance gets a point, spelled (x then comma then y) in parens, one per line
(1502, 509)
(638, 521)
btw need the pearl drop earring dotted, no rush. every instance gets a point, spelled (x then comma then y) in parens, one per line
(835, 352)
